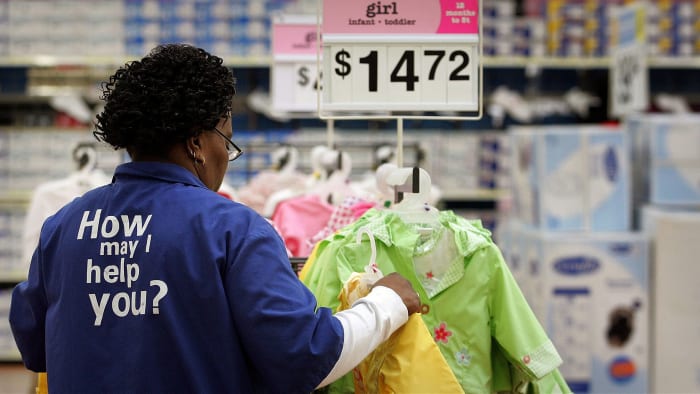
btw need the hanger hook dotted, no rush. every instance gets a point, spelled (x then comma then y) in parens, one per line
(373, 247)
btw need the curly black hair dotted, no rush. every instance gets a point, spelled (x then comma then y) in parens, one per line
(177, 91)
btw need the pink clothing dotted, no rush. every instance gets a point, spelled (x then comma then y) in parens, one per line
(255, 193)
(347, 212)
(298, 219)
(361, 207)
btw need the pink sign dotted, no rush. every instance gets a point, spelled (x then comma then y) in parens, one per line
(294, 39)
(401, 17)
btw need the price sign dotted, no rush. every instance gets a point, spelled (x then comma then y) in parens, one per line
(629, 81)
(408, 55)
(294, 73)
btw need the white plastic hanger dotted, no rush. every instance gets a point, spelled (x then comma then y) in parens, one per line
(372, 265)
(285, 159)
(411, 187)
(338, 165)
(372, 271)
(85, 156)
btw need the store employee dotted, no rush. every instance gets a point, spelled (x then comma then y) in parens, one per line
(155, 283)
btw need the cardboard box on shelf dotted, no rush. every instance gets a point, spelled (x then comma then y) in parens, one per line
(571, 178)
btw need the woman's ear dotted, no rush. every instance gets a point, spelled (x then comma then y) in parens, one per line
(193, 146)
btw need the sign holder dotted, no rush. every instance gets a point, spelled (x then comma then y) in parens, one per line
(294, 76)
(430, 60)
(629, 80)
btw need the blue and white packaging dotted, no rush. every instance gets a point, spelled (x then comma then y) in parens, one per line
(571, 178)
(665, 155)
(523, 255)
(592, 298)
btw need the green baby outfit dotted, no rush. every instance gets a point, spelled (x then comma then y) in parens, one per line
(472, 305)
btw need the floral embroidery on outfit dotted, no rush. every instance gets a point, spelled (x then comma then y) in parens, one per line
(463, 357)
(442, 333)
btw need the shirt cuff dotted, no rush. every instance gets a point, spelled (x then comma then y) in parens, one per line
(391, 303)
(542, 360)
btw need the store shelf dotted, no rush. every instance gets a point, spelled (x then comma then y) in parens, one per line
(473, 195)
(675, 62)
(11, 357)
(13, 276)
(15, 198)
(52, 61)
(266, 61)
(584, 62)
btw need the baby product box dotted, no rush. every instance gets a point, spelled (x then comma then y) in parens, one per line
(522, 253)
(591, 295)
(675, 313)
(571, 178)
(666, 161)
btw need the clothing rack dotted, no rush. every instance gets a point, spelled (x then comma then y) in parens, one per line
(361, 152)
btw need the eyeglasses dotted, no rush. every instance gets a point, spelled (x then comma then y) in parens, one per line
(233, 150)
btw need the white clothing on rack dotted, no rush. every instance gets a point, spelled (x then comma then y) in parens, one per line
(49, 197)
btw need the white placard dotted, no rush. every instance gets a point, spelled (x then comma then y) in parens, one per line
(629, 79)
(294, 73)
(399, 76)
(408, 55)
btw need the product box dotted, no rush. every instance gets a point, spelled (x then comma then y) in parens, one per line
(523, 255)
(590, 292)
(571, 178)
(666, 162)
(675, 309)
(651, 214)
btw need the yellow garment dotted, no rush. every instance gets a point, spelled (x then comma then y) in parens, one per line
(408, 362)
(42, 386)
(309, 262)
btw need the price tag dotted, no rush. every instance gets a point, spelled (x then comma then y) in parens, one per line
(408, 55)
(629, 81)
(294, 72)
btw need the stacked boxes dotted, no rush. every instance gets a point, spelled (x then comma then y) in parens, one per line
(672, 28)
(582, 27)
(591, 294)
(667, 201)
(464, 163)
(675, 310)
(241, 27)
(596, 307)
(505, 34)
(133, 27)
(497, 26)
(665, 153)
(571, 178)
(529, 37)
(64, 28)
(472, 167)
(583, 272)
(225, 27)
(578, 27)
